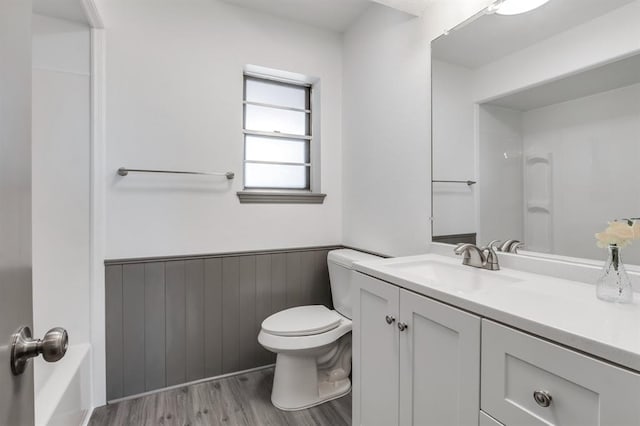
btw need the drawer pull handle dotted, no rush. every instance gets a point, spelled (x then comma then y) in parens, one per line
(390, 319)
(542, 398)
(402, 326)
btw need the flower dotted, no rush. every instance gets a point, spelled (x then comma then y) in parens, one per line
(619, 233)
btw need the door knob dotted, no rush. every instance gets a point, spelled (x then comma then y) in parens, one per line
(402, 326)
(390, 319)
(52, 346)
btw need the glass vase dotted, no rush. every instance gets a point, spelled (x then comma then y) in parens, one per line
(614, 284)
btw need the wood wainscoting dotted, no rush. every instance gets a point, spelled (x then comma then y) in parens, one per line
(175, 320)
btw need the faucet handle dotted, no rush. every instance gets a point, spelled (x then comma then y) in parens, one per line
(491, 258)
(515, 246)
(506, 246)
(494, 244)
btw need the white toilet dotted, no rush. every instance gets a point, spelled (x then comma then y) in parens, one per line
(313, 343)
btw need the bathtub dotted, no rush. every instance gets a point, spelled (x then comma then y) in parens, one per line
(62, 390)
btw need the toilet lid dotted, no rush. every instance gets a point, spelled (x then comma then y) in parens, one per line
(302, 321)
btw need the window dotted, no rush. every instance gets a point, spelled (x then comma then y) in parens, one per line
(277, 135)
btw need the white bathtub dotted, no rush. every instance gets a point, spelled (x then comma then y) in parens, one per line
(62, 390)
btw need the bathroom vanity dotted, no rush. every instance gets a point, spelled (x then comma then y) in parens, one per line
(438, 343)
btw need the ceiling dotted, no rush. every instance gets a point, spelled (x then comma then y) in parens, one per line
(490, 37)
(335, 15)
(71, 10)
(621, 73)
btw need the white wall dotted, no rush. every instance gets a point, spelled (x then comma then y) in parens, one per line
(386, 142)
(174, 101)
(595, 149)
(500, 179)
(61, 193)
(453, 130)
(387, 164)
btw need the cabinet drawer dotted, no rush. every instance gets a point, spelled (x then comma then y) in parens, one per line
(579, 390)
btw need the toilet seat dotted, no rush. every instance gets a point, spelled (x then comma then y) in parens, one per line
(302, 321)
(278, 343)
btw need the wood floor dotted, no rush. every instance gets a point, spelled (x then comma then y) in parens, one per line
(238, 401)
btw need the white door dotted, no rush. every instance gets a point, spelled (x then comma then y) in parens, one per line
(439, 363)
(16, 392)
(375, 352)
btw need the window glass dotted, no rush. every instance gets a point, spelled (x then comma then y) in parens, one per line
(275, 176)
(258, 148)
(265, 119)
(275, 93)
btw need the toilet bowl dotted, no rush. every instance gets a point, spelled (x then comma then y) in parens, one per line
(313, 343)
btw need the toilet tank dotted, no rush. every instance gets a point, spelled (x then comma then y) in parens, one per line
(341, 272)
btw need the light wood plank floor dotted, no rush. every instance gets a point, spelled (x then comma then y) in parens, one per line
(238, 401)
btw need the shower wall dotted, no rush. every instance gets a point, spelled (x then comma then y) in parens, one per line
(61, 108)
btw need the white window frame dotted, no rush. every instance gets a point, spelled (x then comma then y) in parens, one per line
(284, 195)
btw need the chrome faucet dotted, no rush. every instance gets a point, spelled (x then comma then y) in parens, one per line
(509, 246)
(485, 257)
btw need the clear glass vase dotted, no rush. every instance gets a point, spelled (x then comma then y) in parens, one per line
(614, 284)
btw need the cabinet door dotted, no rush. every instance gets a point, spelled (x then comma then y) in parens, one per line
(375, 352)
(527, 381)
(439, 363)
(487, 420)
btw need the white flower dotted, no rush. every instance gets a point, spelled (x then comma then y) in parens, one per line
(618, 233)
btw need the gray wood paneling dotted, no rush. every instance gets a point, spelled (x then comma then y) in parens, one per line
(113, 331)
(263, 304)
(133, 331)
(175, 304)
(247, 333)
(213, 317)
(188, 319)
(293, 279)
(278, 282)
(230, 314)
(154, 326)
(194, 275)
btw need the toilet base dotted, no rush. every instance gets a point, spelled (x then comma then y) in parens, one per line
(303, 381)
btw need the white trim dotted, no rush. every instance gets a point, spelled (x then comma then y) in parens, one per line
(286, 108)
(92, 13)
(87, 417)
(194, 382)
(276, 135)
(98, 218)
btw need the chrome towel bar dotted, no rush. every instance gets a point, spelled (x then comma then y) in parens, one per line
(123, 171)
(468, 182)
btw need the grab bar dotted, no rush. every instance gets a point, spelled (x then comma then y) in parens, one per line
(468, 182)
(123, 171)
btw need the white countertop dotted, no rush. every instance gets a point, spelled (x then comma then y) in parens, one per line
(560, 310)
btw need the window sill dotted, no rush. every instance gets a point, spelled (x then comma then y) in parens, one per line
(280, 197)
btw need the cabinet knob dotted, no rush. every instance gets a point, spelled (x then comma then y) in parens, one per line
(402, 326)
(390, 319)
(542, 398)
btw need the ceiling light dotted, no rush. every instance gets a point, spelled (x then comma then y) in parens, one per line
(514, 7)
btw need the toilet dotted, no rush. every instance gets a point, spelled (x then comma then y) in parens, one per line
(313, 343)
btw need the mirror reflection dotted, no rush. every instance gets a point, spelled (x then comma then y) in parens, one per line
(536, 127)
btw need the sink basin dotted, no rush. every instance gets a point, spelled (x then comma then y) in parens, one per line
(455, 277)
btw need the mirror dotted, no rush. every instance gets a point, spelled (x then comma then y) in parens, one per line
(536, 127)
